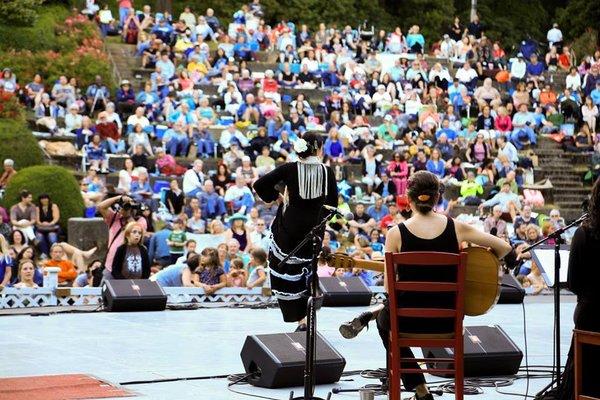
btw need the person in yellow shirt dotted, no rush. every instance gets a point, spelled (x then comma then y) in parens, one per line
(197, 68)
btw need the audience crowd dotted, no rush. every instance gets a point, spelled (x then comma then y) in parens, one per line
(182, 210)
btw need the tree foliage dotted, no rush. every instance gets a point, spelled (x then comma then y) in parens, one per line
(19, 12)
(17, 142)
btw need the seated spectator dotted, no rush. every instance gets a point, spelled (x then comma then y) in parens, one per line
(240, 196)
(239, 231)
(478, 151)
(521, 96)
(523, 133)
(589, 113)
(565, 59)
(249, 111)
(362, 222)
(436, 165)
(125, 98)
(547, 96)
(131, 259)
(581, 142)
(193, 180)
(140, 188)
(467, 76)
(487, 95)
(237, 275)
(494, 225)
(47, 110)
(9, 172)
(92, 276)
(508, 201)
(176, 140)
(131, 27)
(386, 188)
(333, 148)
(524, 218)
(247, 171)
(174, 198)
(258, 262)
(556, 220)
(109, 133)
(196, 224)
(166, 164)
(371, 166)
(470, 190)
(378, 210)
(95, 154)
(573, 80)
(26, 272)
(139, 137)
(23, 215)
(212, 204)
(126, 176)
(46, 227)
(535, 69)
(68, 272)
(212, 276)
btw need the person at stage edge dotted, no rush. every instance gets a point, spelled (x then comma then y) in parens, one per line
(582, 280)
(425, 230)
(301, 188)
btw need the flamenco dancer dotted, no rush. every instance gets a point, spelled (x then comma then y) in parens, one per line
(307, 185)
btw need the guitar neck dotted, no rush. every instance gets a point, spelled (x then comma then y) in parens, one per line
(377, 266)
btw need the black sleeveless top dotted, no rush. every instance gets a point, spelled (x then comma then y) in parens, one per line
(243, 239)
(46, 216)
(446, 242)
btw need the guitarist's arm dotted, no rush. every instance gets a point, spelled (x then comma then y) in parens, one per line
(467, 233)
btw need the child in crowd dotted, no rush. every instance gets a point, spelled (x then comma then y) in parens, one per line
(237, 275)
(176, 240)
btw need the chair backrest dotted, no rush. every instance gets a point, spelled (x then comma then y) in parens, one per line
(398, 286)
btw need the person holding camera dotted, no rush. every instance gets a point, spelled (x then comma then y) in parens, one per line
(117, 212)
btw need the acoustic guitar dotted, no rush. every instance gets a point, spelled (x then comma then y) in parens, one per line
(482, 280)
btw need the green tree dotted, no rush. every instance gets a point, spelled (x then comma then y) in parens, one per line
(18, 143)
(577, 17)
(19, 12)
(511, 21)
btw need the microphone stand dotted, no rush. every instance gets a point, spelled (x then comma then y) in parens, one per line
(316, 237)
(558, 240)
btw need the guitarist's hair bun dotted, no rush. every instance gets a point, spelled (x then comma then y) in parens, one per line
(423, 191)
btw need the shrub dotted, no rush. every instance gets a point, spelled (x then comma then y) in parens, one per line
(38, 37)
(20, 12)
(11, 108)
(17, 142)
(58, 182)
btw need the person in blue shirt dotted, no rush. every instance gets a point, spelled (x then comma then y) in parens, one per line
(378, 210)
(176, 140)
(179, 275)
(158, 249)
(436, 165)
(535, 69)
(333, 147)
(242, 50)
(415, 40)
(446, 130)
(523, 123)
(163, 31)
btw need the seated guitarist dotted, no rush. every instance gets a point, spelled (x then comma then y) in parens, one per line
(425, 230)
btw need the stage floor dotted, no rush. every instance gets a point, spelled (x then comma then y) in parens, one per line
(206, 342)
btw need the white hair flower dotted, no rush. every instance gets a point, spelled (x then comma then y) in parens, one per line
(300, 146)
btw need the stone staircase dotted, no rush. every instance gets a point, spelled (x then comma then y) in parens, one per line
(124, 62)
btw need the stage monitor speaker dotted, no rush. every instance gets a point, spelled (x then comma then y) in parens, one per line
(511, 291)
(133, 295)
(488, 352)
(345, 292)
(277, 360)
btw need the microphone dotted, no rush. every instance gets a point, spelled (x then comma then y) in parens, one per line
(348, 216)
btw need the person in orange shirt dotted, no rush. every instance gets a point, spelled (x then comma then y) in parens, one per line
(68, 272)
(547, 96)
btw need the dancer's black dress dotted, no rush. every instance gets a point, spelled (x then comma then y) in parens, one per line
(308, 186)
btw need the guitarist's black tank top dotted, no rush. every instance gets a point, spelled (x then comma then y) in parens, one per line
(446, 242)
